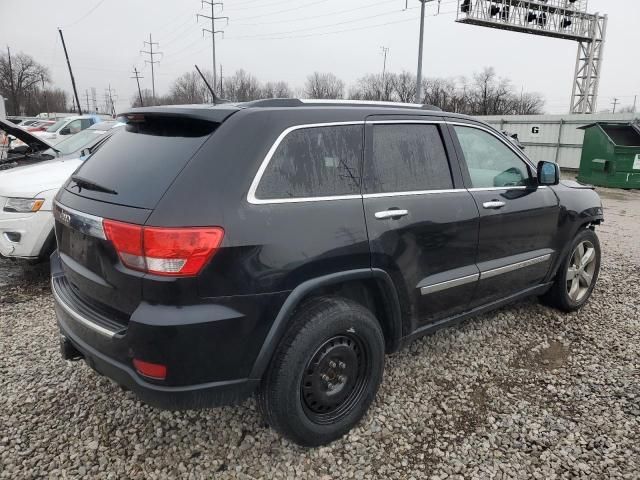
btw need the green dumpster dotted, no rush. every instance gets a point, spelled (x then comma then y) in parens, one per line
(611, 155)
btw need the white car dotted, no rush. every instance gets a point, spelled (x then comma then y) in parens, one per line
(67, 126)
(26, 195)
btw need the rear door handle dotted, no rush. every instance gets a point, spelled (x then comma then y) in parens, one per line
(391, 214)
(494, 205)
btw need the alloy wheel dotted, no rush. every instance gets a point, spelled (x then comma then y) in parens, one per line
(581, 271)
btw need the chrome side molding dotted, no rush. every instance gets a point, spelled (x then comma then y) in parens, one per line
(514, 266)
(438, 287)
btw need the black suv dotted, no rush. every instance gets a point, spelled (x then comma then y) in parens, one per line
(283, 246)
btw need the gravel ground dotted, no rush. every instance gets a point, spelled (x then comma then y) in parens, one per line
(524, 392)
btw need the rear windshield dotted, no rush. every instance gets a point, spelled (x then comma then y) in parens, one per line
(136, 167)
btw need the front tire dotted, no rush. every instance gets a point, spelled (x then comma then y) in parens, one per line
(577, 275)
(325, 373)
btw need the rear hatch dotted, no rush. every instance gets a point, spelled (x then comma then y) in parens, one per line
(122, 181)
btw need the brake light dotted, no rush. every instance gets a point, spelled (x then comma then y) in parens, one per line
(164, 251)
(155, 371)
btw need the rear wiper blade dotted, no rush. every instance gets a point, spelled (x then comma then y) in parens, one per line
(89, 185)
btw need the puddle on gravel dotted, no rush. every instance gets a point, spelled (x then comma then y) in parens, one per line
(552, 356)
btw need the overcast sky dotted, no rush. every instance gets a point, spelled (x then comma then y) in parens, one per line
(288, 39)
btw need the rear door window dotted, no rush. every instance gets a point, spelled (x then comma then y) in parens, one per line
(141, 161)
(314, 162)
(407, 158)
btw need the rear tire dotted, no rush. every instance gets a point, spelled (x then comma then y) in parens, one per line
(325, 373)
(578, 274)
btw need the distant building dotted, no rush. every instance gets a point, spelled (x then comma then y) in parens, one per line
(555, 138)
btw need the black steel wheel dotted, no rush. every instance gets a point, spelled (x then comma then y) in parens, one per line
(325, 372)
(334, 378)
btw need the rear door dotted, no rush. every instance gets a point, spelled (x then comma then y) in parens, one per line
(422, 223)
(518, 219)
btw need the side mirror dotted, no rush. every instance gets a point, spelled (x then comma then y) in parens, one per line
(65, 131)
(548, 173)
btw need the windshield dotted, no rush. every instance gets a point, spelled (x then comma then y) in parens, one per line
(56, 126)
(76, 142)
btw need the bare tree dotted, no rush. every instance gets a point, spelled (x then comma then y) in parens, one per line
(189, 88)
(241, 87)
(324, 85)
(27, 75)
(373, 87)
(404, 86)
(276, 90)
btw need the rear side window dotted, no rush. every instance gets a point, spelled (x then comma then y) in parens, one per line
(407, 158)
(141, 161)
(314, 162)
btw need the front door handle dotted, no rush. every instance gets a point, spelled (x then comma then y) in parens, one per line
(493, 205)
(391, 214)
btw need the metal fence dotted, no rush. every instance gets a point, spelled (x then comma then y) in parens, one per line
(553, 137)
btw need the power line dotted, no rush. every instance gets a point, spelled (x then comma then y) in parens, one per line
(313, 17)
(321, 34)
(333, 24)
(85, 15)
(283, 11)
(151, 53)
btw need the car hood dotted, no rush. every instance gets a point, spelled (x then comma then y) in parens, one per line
(30, 180)
(35, 142)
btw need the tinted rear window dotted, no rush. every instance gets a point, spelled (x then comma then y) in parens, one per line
(142, 159)
(314, 162)
(407, 158)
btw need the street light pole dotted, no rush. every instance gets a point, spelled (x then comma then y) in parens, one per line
(420, 49)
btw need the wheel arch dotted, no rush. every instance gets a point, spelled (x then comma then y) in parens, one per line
(371, 287)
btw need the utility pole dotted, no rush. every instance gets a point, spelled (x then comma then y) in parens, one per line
(46, 97)
(113, 108)
(213, 31)
(385, 51)
(138, 77)
(73, 81)
(151, 53)
(615, 104)
(221, 92)
(635, 103)
(420, 48)
(86, 94)
(13, 88)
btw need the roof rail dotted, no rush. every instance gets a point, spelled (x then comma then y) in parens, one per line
(295, 102)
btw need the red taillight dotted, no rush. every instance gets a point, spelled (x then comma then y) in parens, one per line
(164, 251)
(155, 371)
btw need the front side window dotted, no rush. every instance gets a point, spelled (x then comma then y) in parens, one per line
(314, 162)
(406, 158)
(490, 162)
(74, 127)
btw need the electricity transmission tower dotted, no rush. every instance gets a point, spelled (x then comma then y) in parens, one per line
(138, 77)
(151, 60)
(213, 31)
(564, 19)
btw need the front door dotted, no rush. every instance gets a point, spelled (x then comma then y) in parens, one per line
(422, 223)
(518, 219)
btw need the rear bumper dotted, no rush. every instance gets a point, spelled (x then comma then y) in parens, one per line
(208, 349)
(203, 395)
